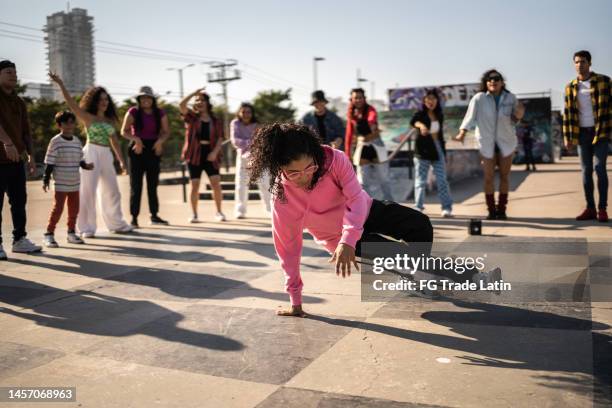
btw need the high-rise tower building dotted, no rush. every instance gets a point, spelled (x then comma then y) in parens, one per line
(71, 49)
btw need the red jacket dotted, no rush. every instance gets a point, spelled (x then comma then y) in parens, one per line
(351, 125)
(192, 146)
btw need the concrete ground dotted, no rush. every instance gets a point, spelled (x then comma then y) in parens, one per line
(184, 316)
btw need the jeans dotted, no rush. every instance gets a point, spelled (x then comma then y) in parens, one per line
(421, 171)
(587, 150)
(13, 183)
(147, 163)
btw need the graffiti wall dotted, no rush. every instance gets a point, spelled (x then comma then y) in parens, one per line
(536, 129)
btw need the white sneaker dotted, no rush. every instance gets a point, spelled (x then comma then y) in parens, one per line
(3, 256)
(26, 246)
(447, 214)
(194, 220)
(124, 230)
(74, 239)
(220, 217)
(88, 235)
(49, 241)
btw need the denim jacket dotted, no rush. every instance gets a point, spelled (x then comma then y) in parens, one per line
(333, 125)
(494, 125)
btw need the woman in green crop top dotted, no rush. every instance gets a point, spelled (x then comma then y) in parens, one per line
(97, 113)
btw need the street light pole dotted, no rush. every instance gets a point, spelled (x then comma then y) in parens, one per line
(180, 74)
(359, 78)
(314, 71)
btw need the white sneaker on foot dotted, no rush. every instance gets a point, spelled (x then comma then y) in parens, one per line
(194, 220)
(26, 246)
(74, 238)
(88, 235)
(124, 230)
(447, 214)
(49, 241)
(3, 256)
(220, 217)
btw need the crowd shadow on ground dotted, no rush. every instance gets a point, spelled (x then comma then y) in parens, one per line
(179, 283)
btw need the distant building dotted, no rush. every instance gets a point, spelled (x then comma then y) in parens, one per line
(70, 48)
(37, 90)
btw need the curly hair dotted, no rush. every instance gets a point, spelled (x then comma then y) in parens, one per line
(91, 98)
(278, 144)
(485, 76)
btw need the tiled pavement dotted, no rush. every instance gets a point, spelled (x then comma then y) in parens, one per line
(184, 316)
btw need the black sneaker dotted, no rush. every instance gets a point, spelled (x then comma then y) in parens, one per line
(155, 220)
(134, 222)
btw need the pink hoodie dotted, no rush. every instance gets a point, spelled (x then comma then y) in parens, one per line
(333, 213)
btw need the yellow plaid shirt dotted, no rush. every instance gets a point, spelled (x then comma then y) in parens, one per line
(601, 92)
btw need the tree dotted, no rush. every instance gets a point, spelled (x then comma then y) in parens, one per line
(269, 106)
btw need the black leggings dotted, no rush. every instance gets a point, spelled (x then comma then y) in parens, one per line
(402, 224)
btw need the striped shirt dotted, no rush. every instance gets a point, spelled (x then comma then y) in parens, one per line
(65, 155)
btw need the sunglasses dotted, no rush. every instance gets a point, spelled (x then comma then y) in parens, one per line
(494, 78)
(296, 174)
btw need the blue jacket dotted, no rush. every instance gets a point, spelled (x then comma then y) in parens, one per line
(334, 127)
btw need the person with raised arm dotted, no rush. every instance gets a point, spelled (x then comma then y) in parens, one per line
(202, 148)
(97, 112)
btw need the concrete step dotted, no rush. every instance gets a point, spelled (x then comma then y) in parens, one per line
(228, 195)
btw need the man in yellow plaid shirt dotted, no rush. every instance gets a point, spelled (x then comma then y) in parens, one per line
(587, 122)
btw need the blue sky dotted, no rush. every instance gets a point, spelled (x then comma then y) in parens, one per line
(406, 43)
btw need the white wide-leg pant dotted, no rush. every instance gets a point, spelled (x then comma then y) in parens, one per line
(242, 187)
(108, 195)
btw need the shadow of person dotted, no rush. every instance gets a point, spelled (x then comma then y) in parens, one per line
(98, 314)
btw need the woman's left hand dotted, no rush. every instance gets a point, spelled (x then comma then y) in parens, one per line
(123, 170)
(158, 147)
(343, 256)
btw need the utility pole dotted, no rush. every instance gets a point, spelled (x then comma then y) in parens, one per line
(314, 71)
(221, 76)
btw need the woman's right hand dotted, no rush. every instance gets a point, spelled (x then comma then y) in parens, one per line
(138, 146)
(423, 129)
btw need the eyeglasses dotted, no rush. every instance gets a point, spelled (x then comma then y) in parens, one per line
(494, 78)
(296, 174)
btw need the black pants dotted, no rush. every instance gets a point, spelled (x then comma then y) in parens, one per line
(529, 156)
(147, 163)
(13, 183)
(402, 224)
